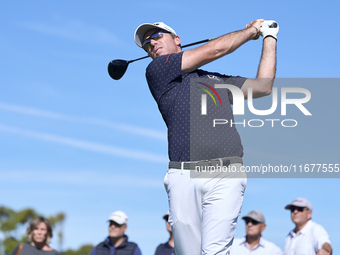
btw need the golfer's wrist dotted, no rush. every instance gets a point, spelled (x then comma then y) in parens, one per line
(257, 32)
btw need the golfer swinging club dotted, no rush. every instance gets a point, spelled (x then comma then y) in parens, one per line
(203, 211)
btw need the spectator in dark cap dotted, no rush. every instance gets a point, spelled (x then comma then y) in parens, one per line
(253, 242)
(168, 247)
(308, 237)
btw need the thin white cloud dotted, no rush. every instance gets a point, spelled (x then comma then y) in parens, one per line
(155, 134)
(74, 30)
(71, 178)
(86, 145)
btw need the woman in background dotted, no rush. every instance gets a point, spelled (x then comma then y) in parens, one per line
(39, 234)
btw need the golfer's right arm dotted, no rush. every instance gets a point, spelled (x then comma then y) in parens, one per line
(219, 47)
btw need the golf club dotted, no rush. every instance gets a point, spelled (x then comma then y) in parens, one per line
(117, 68)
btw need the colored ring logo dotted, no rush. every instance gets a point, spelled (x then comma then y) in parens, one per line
(209, 93)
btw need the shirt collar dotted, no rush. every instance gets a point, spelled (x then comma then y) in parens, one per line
(261, 243)
(243, 241)
(303, 231)
(306, 228)
(167, 245)
(108, 240)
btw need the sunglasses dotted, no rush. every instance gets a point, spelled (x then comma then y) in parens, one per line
(254, 222)
(115, 224)
(299, 209)
(155, 36)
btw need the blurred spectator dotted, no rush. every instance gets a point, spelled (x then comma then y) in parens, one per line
(307, 237)
(39, 234)
(253, 242)
(168, 247)
(117, 242)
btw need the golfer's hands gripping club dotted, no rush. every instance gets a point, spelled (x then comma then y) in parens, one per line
(256, 24)
(269, 28)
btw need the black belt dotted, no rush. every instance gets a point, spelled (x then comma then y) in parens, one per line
(218, 162)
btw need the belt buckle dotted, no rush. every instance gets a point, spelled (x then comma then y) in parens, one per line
(202, 165)
(216, 162)
(211, 165)
(225, 162)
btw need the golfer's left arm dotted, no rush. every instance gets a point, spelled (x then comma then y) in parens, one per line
(262, 85)
(219, 47)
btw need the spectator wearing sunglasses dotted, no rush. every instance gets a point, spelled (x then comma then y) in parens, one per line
(117, 242)
(253, 243)
(308, 237)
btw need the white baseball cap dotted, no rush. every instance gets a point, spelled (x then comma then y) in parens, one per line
(118, 217)
(255, 215)
(300, 202)
(142, 29)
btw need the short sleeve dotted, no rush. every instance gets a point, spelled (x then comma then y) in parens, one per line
(55, 252)
(162, 71)
(321, 236)
(238, 81)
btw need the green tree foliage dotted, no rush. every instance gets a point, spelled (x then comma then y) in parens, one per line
(24, 216)
(6, 222)
(57, 223)
(10, 243)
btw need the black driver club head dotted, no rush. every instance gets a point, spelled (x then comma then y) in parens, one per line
(117, 68)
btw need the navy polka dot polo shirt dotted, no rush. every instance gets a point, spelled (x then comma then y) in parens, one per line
(170, 88)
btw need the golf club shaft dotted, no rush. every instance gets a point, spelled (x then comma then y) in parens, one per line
(184, 46)
(199, 42)
(130, 61)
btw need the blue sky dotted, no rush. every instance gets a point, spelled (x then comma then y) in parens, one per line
(74, 140)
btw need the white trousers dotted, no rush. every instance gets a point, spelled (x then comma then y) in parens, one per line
(203, 212)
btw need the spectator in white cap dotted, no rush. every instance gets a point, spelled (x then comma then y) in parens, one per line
(168, 247)
(307, 237)
(253, 242)
(117, 242)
